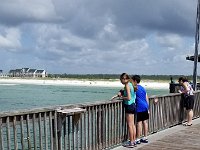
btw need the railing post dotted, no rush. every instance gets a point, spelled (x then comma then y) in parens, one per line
(100, 125)
(57, 131)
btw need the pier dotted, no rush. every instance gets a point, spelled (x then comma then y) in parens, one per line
(176, 138)
(91, 126)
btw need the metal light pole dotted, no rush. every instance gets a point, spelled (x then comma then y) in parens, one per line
(196, 47)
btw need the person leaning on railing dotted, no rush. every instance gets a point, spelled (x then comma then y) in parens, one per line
(128, 97)
(188, 95)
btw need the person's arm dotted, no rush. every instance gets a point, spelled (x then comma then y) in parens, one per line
(147, 99)
(186, 89)
(118, 95)
(128, 97)
(115, 96)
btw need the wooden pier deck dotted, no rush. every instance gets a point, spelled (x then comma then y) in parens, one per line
(175, 138)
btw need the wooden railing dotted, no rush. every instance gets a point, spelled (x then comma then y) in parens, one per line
(90, 126)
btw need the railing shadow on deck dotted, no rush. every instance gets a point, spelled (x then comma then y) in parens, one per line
(90, 126)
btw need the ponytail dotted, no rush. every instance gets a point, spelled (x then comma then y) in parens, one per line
(134, 85)
(130, 80)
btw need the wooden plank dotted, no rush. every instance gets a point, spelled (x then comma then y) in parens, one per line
(72, 111)
(118, 123)
(111, 125)
(28, 131)
(89, 128)
(108, 119)
(152, 104)
(8, 132)
(45, 131)
(97, 127)
(73, 134)
(34, 132)
(40, 132)
(76, 134)
(1, 135)
(64, 134)
(51, 130)
(103, 122)
(183, 139)
(68, 127)
(103, 127)
(55, 131)
(81, 133)
(22, 132)
(26, 111)
(59, 132)
(115, 124)
(92, 126)
(85, 132)
(15, 133)
(106, 125)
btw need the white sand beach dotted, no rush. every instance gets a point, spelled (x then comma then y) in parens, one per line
(83, 82)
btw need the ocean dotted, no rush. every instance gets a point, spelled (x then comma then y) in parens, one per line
(27, 96)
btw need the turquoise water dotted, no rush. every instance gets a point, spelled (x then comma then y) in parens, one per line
(24, 96)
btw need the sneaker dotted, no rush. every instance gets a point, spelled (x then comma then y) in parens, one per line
(144, 140)
(138, 141)
(129, 145)
(135, 144)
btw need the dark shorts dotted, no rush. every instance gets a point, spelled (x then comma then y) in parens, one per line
(130, 109)
(141, 116)
(189, 102)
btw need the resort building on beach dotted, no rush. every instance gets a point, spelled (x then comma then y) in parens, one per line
(28, 72)
(2, 74)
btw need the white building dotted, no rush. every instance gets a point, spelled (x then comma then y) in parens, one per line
(40, 73)
(27, 72)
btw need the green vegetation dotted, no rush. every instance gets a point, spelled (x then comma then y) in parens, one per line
(115, 76)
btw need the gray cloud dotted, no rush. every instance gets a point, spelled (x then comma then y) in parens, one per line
(140, 36)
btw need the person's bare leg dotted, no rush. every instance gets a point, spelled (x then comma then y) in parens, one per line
(134, 131)
(139, 129)
(145, 127)
(130, 123)
(190, 116)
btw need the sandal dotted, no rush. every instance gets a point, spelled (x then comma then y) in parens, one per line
(186, 124)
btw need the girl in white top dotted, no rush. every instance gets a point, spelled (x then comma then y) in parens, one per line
(187, 90)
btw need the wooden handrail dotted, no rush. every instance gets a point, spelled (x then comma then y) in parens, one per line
(96, 125)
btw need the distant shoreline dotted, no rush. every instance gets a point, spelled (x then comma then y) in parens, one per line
(83, 82)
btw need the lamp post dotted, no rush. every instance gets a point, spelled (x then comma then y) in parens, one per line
(196, 46)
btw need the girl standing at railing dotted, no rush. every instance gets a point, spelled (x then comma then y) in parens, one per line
(129, 105)
(187, 91)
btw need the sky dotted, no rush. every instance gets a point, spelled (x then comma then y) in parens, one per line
(149, 37)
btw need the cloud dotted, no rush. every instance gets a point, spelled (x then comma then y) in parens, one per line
(170, 41)
(10, 40)
(62, 36)
(17, 12)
